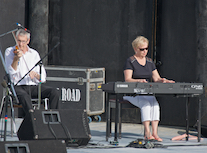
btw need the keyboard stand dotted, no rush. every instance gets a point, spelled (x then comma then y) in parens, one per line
(117, 117)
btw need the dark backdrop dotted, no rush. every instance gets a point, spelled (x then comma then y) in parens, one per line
(176, 50)
(98, 33)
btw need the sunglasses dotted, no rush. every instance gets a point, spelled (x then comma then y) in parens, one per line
(142, 49)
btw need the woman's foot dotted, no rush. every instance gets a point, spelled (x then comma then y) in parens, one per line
(149, 138)
(158, 139)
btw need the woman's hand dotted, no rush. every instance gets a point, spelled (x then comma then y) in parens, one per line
(164, 80)
(142, 80)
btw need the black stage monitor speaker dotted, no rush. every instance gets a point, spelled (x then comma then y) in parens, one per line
(33, 146)
(61, 124)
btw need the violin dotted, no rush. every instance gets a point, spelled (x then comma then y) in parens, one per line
(16, 48)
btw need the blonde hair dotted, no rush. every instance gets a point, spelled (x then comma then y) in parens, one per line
(139, 40)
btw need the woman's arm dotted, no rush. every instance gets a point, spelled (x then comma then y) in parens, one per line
(156, 78)
(128, 77)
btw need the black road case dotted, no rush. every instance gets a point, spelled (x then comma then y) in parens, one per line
(78, 87)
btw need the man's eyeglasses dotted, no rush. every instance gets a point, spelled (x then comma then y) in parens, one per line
(20, 41)
(142, 49)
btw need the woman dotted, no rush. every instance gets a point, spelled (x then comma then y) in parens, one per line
(139, 68)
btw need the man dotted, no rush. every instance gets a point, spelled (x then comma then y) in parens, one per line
(19, 60)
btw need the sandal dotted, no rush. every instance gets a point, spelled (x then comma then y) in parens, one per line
(149, 138)
(158, 139)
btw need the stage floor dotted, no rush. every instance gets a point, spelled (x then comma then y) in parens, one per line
(130, 132)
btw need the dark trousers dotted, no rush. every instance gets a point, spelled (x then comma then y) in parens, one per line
(25, 93)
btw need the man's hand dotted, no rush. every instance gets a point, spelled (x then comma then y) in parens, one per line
(18, 53)
(33, 75)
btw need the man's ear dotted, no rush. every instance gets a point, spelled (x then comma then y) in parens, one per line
(28, 41)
